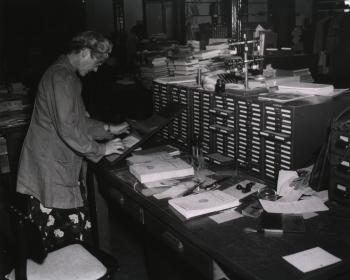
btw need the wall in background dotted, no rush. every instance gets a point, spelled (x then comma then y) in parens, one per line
(304, 8)
(99, 15)
(133, 10)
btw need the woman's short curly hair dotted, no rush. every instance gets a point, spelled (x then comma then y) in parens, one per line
(99, 45)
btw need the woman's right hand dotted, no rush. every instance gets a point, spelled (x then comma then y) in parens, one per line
(114, 146)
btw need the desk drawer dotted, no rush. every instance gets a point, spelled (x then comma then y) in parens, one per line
(184, 249)
(127, 204)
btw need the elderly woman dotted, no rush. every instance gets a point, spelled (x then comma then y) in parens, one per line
(60, 135)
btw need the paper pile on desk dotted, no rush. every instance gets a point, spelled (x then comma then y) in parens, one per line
(291, 187)
(313, 204)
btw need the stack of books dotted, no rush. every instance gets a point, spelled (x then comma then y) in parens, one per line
(195, 45)
(186, 67)
(157, 67)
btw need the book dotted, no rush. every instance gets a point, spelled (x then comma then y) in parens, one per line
(161, 169)
(203, 203)
(143, 130)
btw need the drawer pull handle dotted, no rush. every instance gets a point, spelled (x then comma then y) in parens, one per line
(117, 196)
(121, 200)
(173, 242)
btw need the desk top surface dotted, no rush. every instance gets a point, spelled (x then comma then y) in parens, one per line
(249, 255)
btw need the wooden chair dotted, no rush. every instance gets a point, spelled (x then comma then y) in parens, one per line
(72, 261)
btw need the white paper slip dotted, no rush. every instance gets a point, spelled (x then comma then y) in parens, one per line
(313, 204)
(226, 216)
(311, 259)
(307, 216)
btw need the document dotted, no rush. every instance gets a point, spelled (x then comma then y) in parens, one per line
(311, 259)
(313, 204)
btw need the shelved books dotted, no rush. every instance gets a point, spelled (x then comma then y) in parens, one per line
(161, 169)
(203, 203)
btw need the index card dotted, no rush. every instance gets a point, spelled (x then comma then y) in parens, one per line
(311, 259)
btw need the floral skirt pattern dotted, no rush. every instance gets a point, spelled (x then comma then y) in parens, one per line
(59, 226)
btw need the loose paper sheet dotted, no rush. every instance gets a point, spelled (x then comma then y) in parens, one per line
(311, 259)
(285, 177)
(313, 204)
(226, 216)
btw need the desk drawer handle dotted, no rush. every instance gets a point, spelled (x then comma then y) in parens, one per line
(118, 197)
(174, 243)
(121, 200)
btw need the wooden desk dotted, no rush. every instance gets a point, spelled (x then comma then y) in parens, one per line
(240, 255)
